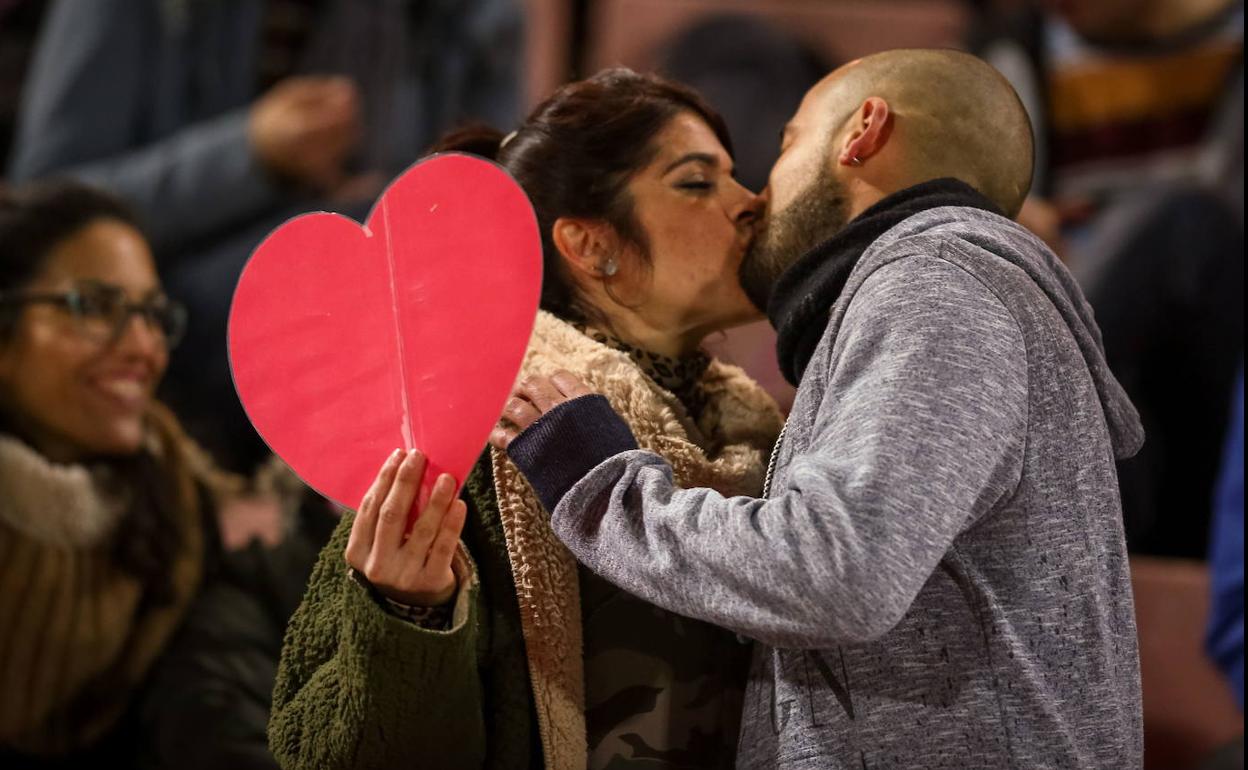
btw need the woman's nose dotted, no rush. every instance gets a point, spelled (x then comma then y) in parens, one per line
(749, 207)
(138, 336)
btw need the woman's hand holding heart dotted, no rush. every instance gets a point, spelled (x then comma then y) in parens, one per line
(416, 569)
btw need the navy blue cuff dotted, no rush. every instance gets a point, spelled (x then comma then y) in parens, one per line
(568, 442)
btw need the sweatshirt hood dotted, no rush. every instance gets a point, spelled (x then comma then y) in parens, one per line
(1012, 242)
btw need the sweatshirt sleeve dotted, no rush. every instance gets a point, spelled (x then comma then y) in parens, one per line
(920, 431)
(359, 687)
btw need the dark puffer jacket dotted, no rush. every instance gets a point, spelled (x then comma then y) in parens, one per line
(208, 703)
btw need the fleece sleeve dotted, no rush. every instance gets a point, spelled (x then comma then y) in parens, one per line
(359, 687)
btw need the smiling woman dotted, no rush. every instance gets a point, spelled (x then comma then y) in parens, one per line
(102, 498)
(80, 370)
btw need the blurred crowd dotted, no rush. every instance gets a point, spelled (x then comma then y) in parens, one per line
(149, 145)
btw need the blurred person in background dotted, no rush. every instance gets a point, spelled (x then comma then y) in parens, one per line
(753, 73)
(19, 26)
(216, 121)
(207, 703)
(1225, 635)
(1138, 108)
(106, 507)
(109, 517)
(1226, 550)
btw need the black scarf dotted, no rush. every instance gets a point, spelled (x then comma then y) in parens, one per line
(804, 294)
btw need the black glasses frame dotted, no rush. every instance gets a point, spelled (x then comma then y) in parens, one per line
(167, 318)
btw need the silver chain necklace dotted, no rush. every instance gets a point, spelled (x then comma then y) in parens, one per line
(771, 464)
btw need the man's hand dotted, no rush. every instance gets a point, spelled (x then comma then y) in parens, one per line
(304, 128)
(534, 397)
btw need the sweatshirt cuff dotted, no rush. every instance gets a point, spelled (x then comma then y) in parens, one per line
(568, 442)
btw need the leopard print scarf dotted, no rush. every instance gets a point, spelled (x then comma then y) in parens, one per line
(681, 376)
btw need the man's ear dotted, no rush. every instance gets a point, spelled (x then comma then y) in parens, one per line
(583, 244)
(870, 130)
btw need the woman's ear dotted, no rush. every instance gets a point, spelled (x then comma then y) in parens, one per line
(585, 246)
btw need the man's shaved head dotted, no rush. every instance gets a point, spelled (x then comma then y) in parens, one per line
(877, 126)
(955, 115)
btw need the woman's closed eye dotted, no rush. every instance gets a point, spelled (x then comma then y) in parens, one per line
(697, 185)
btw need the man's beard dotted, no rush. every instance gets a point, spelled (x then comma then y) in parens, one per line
(818, 213)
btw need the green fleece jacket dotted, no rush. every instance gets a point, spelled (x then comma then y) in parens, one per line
(360, 688)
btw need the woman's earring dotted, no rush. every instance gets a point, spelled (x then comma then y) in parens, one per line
(610, 267)
(855, 161)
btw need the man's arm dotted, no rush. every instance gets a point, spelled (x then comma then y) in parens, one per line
(83, 98)
(496, 40)
(921, 431)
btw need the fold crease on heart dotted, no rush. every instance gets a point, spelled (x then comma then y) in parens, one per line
(349, 340)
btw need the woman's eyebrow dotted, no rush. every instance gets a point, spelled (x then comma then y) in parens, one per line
(693, 157)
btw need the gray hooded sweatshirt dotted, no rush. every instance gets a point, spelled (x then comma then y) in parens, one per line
(937, 576)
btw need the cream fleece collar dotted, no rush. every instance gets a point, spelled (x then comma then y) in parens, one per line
(80, 505)
(724, 449)
(71, 506)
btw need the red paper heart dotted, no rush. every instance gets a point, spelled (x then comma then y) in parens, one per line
(347, 342)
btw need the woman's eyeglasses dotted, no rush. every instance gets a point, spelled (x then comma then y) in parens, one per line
(101, 311)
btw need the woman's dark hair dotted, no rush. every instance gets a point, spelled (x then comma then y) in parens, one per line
(575, 154)
(33, 221)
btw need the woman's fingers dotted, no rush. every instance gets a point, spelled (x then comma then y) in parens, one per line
(541, 392)
(502, 436)
(430, 521)
(534, 397)
(442, 550)
(520, 412)
(392, 515)
(569, 385)
(360, 542)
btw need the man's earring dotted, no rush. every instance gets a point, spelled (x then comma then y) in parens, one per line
(855, 161)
